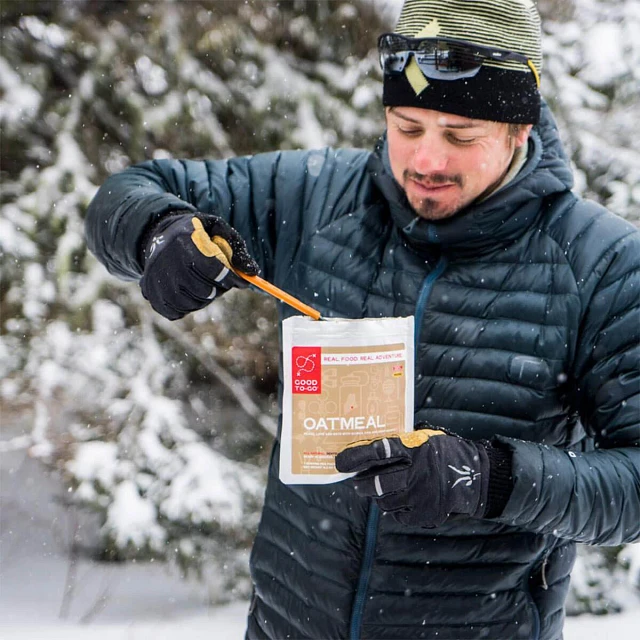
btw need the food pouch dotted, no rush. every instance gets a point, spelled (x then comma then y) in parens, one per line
(344, 380)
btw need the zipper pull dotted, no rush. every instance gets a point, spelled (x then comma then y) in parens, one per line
(543, 573)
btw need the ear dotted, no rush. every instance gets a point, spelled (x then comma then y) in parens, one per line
(523, 135)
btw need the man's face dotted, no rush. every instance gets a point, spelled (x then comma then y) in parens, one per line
(443, 161)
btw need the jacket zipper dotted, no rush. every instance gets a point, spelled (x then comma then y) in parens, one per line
(543, 578)
(425, 291)
(535, 614)
(371, 534)
(365, 571)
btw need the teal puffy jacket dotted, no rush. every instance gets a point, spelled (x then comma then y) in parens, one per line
(527, 310)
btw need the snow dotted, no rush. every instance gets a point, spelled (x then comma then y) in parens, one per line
(228, 623)
(153, 77)
(363, 96)
(51, 33)
(49, 586)
(202, 491)
(95, 462)
(309, 135)
(47, 595)
(604, 55)
(20, 100)
(623, 627)
(224, 624)
(40, 292)
(133, 519)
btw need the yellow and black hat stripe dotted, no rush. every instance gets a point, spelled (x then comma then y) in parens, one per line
(503, 24)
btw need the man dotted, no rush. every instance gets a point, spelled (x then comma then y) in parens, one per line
(526, 302)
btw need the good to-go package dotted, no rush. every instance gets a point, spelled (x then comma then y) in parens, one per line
(344, 380)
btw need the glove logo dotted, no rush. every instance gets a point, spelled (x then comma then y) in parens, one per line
(467, 475)
(156, 240)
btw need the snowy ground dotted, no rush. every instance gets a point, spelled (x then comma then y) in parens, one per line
(227, 623)
(45, 596)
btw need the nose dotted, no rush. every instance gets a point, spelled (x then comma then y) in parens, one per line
(430, 156)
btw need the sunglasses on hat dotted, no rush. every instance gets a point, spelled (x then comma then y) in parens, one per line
(443, 58)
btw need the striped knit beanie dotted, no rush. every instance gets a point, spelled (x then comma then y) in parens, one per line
(500, 91)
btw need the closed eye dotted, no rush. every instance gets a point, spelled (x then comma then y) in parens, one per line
(460, 141)
(410, 133)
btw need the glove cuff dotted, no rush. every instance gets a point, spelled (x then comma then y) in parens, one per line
(500, 479)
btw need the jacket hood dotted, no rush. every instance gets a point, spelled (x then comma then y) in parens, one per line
(498, 219)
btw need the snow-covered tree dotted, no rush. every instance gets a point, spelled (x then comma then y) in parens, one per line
(165, 428)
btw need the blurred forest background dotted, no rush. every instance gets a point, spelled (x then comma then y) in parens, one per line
(164, 429)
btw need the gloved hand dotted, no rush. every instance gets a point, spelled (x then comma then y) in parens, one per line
(424, 476)
(185, 270)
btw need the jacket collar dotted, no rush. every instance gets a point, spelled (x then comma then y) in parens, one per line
(496, 220)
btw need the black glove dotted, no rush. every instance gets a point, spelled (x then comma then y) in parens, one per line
(427, 475)
(185, 269)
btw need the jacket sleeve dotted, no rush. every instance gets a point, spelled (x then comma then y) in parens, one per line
(594, 497)
(258, 195)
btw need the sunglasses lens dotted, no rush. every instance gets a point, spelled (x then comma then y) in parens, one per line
(393, 62)
(436, 58)
(394, 53)
(455, 59)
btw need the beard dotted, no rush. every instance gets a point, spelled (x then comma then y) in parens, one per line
(431, 208)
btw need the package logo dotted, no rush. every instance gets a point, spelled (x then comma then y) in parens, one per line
(306, 365)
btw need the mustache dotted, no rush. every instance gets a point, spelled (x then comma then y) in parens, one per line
(432, 179)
